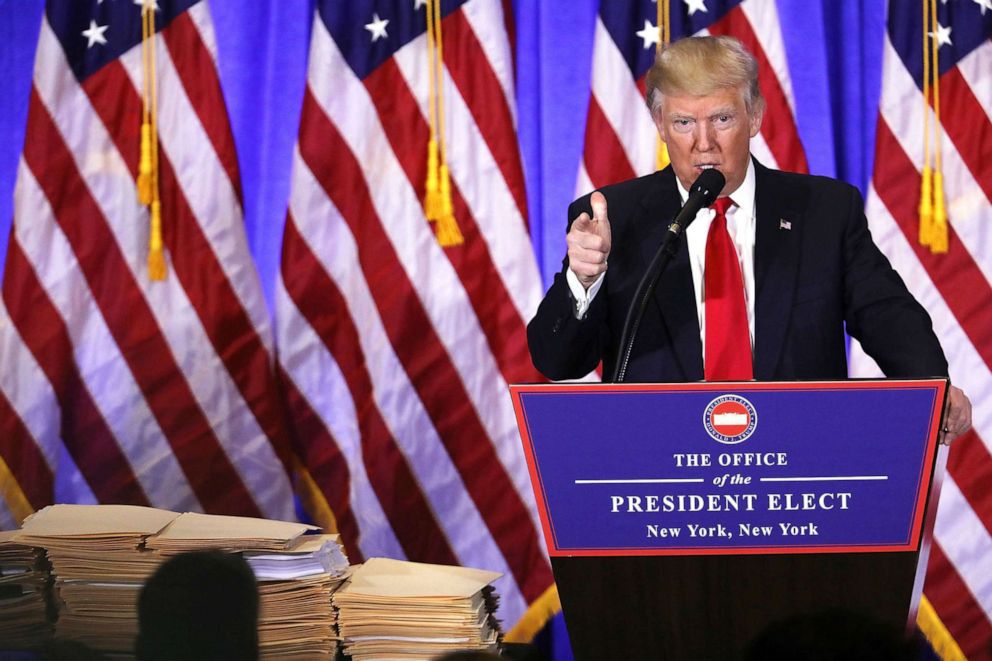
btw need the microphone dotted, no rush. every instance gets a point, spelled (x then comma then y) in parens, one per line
(702, 193)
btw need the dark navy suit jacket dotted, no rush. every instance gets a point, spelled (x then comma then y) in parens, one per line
(814, 273)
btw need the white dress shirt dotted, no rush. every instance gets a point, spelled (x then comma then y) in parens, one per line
(740, 225)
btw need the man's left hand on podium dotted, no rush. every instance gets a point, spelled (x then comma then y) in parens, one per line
(957, 416)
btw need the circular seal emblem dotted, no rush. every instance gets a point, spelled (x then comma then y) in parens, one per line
(730, 419)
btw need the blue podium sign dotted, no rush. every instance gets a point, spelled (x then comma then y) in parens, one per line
(730, 468)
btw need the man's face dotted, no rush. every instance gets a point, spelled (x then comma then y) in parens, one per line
(708, 131)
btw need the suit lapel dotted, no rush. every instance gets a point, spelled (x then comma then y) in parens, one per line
(778, 229)
(674, 295)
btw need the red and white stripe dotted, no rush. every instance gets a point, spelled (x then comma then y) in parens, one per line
(621, 138)
(396, 353)
(121, 389)
(955, 288)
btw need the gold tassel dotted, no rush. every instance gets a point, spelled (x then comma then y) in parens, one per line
(666, 13)
(664, 36)
(446, 227)
(432, 192)
(156, 251)
(145, 165)
(926, 206)
(933, 207)
(662, 155)
(145, 159)
(926, 182)
(438, 209)
(148, 179)
(432, 197)
(938, 231)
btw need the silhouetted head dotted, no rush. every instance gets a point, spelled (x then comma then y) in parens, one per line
(831, 635)
(200, 605)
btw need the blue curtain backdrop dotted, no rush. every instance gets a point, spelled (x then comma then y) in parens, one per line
(833, 48)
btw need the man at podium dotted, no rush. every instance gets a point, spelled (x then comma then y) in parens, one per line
(763, 282)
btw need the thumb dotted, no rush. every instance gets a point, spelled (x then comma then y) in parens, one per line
(598, 203)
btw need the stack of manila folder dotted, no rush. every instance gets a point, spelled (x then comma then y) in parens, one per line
(24, 579)
(99, 566)
(102, 554)
(297, 574)
(390, 609)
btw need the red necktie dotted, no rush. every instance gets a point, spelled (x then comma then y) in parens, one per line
(728, 344)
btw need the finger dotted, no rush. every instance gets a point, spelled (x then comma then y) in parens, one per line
(963, 413)
(578, 238)
(578, 254)
(592, 242)
(602, 221)
(598, 202)
(582, 224)
(957, 415)
(957, 426)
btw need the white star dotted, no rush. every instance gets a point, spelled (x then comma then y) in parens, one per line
(95, 34)
(943, 35)
(649, 34)
(984, 4)
(695, 5)
(417, 4)
(377, 27)
(148, 3)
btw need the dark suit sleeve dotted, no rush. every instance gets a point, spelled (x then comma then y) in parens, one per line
(880, 312)
(562, 346)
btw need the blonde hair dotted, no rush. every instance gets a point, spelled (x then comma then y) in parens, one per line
(699, 66)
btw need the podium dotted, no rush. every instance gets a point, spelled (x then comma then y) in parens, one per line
(683, 520)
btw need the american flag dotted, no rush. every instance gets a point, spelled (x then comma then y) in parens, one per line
(620, 140)
(953, 286)
(395, 351)
(116, 388)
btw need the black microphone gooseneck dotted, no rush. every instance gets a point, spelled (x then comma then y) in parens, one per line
(703, 193)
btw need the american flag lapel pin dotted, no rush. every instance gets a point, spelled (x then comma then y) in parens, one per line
(784, 224)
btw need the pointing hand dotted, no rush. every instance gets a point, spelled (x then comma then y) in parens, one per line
(589, 242)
